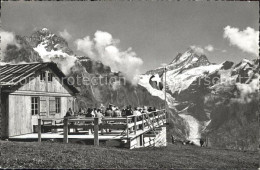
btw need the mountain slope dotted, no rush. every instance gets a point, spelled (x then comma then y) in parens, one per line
(207, 96)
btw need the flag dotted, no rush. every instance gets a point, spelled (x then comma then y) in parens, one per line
(156, 81)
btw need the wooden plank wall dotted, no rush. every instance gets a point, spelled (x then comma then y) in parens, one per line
(21, 120)
(19, 115)
(36, 85)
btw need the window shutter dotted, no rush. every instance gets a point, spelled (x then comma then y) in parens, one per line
(52, 105)
(43, 106)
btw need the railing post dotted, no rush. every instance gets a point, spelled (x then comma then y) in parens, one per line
(39, 130)
(156, 117)
(166, 116)
(127, 129)
(153, 119)
(96, 140)
(160, 117)
(135, 123)
(65, 130)
(143, 121)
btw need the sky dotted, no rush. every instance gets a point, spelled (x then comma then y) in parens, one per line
(155, 31)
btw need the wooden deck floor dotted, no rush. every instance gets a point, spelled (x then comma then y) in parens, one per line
(115, 134)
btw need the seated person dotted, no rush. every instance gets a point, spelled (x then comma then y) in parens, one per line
(109, 111)
(137, 113)
(69, 113)
(99, 115)
(129, 111)
(89, 112)
(150, 109)
(117, 113)
(144, 111)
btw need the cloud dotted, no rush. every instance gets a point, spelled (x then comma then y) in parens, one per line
(246, 40)
(223, 51)
(64, 61)
(209, 48)
(7, 38)
(197, 49)
(103, 47)
(65, 34)
(85, 45)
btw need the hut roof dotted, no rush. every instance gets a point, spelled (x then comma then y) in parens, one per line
(13, 74)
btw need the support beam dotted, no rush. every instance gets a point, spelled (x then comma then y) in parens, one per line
(135, 118)
(127, 129)
(96, 137)
(141, 140)
(39, 130)
(142, 121)
(65, 131)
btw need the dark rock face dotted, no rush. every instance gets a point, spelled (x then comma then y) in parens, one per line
(234, 122)
(227, 65)
(52, 41)
(22, 53)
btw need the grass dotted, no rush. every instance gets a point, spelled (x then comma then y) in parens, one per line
(58, 155)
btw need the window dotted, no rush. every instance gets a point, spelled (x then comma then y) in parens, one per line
(54, 105)
(49, 76)
(57, 104)
(42, 76)
(35, 105)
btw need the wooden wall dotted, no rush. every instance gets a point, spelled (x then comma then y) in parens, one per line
(21, 120)
(36, 85)
(19, 115)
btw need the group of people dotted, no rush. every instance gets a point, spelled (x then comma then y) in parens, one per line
(111, 111)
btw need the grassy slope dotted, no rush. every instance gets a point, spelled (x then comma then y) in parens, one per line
(57, 155)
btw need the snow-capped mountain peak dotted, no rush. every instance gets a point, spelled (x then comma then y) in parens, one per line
(183, 61)
(187, 60)
(50, 41)
(45, 29)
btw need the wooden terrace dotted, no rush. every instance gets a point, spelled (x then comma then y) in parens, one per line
(132, 131)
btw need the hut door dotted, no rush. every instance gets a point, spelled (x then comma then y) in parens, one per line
(40, 111)
(35, 110)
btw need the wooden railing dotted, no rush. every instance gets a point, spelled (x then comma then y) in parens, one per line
(127, 124)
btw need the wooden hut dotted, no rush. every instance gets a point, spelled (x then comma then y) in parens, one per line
(32, 91)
